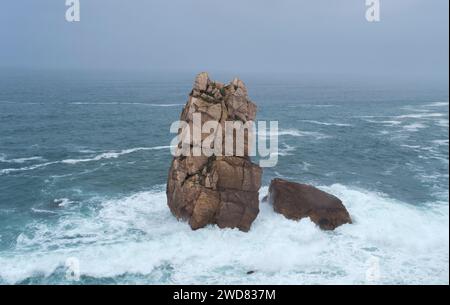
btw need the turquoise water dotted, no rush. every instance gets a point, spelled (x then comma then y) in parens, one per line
(84, 160)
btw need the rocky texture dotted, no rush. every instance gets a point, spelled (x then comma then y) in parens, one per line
(220, 190)
(296, 201)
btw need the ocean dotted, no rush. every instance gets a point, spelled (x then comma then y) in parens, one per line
(84, 159)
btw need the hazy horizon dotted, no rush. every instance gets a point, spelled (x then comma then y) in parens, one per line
(285, 38)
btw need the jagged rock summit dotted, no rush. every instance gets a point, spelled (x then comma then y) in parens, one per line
(221, 190)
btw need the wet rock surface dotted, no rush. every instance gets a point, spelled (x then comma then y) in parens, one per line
(296, 201)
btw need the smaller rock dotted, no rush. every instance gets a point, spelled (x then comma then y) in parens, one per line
(296, 201)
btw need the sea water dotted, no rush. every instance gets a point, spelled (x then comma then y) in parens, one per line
(84, 159)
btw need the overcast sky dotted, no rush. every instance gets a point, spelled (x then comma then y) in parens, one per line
(259, 36)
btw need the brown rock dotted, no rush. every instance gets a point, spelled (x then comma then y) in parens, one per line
(296, 201)
(201, 82)
(236, 174)
(238, 209)
(240, 86)
(205, 208)
(220, 190)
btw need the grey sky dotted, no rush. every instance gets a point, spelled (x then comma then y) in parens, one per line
(259, 36)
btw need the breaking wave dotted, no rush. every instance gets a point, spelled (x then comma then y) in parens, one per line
(136, 239)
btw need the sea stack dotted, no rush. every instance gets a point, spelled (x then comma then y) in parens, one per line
(296, 201)
(218, 189)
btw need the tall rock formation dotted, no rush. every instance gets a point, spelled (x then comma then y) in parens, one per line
(217, 189)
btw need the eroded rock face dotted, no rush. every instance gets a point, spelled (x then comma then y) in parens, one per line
(220, 190)
(296, 201)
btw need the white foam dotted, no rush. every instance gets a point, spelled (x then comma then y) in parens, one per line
(138, 235)
(442, 123)
(385, 122)
(102, 156)
(107, 155)
(87, 151)
(19, 160)
(414, 126)
(113, 154)
(41, 211)
(437, 104)
(415, 147)
(286, 150)
(295, 133)
(327, 124)
(305, 166)
(419, 115)
(6, 171)
(440, 142)
(63, 202)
